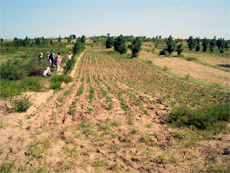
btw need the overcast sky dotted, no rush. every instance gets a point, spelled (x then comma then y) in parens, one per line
(51, 18)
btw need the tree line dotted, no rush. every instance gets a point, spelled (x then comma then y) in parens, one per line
(120, 45)
(220, 43)
(39, 41)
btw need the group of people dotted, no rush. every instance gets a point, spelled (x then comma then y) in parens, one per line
(52, 61)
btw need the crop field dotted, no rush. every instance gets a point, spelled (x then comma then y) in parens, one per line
(209, 68)
(112, 117)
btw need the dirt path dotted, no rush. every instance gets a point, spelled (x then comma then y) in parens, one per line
(102, 122)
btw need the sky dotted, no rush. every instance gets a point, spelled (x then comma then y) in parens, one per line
(150, 18)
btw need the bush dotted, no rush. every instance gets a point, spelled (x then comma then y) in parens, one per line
(21, 104)
(69, 65)
(36, 67)
(206, 118)
(163, 52)
(12, 70)
(57, 80)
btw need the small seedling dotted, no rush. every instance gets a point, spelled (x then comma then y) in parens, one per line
(19, 122)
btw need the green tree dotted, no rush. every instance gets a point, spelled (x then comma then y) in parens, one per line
(51, 42)
(227, 44)
(198, 47)
(221, 44)
(170, 45)
(179, 49)
(78, 46)
(37, 41)
(83, 39)
(212, 44)
(120, 45)
(191, 43)
(109, 42)
(59, 38)
(135, 46)
(205, 43)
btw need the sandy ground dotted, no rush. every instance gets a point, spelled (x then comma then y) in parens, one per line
(182, 67)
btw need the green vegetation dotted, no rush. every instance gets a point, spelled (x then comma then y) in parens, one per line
(120, 45)
(21, 104)
(57, 80)
(135, 46)
(170, 45)
(208, 117)
(109, 41)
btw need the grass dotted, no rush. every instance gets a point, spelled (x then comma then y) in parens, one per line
(11, 88)
(57, 80)
(209, 117)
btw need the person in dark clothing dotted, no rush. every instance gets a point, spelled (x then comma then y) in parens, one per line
(51, 57)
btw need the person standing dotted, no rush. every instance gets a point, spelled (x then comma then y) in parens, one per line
(40, 56)
(58, 62)
(51, 57)
(69, 56)
(48, 57)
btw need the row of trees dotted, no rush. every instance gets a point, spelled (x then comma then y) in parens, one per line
(120, 44)
(221, 44)
(171, 47)
(79, 46)
(39, 41)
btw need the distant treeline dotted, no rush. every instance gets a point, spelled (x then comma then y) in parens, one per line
(193, 43)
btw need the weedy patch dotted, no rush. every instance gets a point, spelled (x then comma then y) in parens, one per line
(39, 147)
(116, 123)
(99, 163)
(21, 104)
(71, 152)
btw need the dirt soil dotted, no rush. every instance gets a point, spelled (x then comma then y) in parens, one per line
(194, 70)
(97, 124)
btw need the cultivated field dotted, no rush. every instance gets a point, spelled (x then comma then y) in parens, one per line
(112, 117)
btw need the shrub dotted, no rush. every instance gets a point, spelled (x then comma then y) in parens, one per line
(12, 70)
(163, 52)
(69, 65)
(36, 67)
(207, 118)
(21, 104)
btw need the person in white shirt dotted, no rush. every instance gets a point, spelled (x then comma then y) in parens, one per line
(70, 55)
(47, 72)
